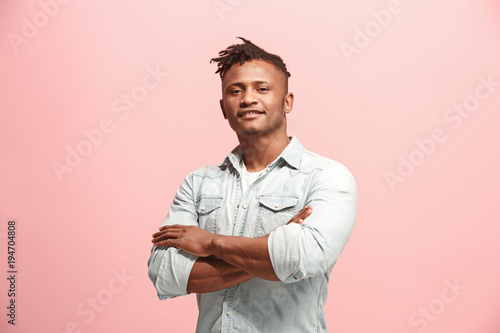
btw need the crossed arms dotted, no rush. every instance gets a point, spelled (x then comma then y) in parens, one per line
(189, 259)
(224, 261)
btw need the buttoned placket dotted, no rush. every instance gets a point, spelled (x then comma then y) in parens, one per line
(239, 225)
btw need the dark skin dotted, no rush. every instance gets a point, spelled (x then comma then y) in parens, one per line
(255, 103)
(247, 258)
(257, 86)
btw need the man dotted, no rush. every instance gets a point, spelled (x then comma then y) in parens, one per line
(257, 236)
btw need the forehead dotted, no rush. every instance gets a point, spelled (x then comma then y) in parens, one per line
(250, 71)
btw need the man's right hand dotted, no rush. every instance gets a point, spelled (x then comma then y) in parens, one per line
(301, 215)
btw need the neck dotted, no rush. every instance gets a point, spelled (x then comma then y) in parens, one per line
(260, 151)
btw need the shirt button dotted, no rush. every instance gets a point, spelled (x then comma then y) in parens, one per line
(203, 208)
(238, 206)
(276, 206)
(227, 313)
(244, 206)
(295, 277)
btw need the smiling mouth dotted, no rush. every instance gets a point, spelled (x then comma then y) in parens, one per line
(249, 113)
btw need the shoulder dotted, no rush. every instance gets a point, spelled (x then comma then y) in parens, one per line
(196, 179)
(325, 169)
(312, 161)
(210, 171)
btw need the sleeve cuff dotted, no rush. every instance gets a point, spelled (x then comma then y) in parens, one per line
(284, 246)
(171, 282)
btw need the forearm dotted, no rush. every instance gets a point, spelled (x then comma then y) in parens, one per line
(211, 274)
(249, 254)
(242, 257)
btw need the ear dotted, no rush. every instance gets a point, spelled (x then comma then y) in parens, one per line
(288, 102)
(221, 102)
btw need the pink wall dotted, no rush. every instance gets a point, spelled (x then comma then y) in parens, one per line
(375, 85)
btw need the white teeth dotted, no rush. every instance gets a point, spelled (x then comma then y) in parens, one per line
(244, 113)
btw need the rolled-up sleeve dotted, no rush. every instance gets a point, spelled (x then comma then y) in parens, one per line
(311, 249)
(169, 268)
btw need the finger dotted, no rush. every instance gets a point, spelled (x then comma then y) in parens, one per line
(162, 237)
(307, 213)
(304, 212)
(167, 242)
(305, 208)
(165, 236)
(172, 226)
(295, 219)
(159, 233)
(297, 216)
(299, 221)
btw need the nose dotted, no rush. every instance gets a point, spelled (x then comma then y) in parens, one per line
(248, 98)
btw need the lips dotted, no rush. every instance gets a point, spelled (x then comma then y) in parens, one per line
(249, 113)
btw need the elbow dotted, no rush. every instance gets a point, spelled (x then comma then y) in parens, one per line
(169, 271)
(298, 252)
(320, 262)
(319, 254)
(154, 264)
(153, 275)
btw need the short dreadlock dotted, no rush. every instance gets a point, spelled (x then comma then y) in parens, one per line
(246, 52)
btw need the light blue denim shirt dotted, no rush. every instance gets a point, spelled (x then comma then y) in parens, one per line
(302, 255)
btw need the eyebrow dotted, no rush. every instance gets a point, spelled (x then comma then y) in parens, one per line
(241, 84)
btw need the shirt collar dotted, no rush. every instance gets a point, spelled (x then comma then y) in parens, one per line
(292, 154)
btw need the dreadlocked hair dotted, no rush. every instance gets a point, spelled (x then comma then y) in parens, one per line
(239, 53)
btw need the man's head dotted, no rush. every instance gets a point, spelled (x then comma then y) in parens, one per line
(239, 53)
(255, 97)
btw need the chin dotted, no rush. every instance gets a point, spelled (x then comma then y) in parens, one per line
(251, 132)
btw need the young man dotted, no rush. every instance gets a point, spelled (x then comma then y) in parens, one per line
(257, 236)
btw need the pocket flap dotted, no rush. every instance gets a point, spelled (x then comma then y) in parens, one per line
(278, 201)
(207, 204)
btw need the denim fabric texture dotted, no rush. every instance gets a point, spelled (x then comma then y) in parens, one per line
(302, 256)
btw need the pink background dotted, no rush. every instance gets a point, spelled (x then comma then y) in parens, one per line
(436, 226)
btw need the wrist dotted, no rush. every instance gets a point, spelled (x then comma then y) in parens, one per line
(216, 245)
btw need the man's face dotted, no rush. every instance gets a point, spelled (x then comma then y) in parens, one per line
(254, 99)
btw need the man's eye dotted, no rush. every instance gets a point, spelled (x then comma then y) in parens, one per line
(263, 89)
(235, 91)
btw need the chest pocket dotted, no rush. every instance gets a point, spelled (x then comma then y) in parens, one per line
(275, 209)
(208, 209)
